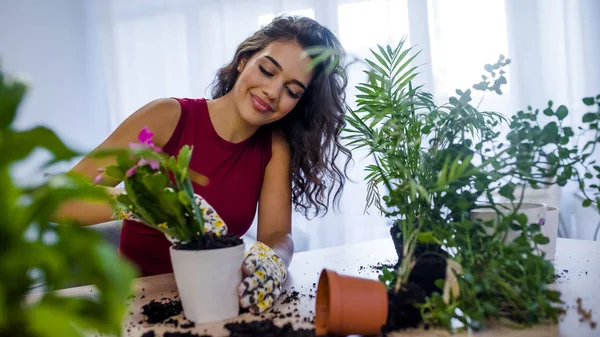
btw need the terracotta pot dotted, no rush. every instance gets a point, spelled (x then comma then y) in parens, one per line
(349, 305)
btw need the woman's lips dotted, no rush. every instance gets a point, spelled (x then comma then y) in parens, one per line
(260, 105)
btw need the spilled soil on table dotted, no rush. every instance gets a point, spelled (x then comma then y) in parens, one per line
(163, 312)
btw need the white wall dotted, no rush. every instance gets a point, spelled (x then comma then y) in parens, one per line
(54, 46)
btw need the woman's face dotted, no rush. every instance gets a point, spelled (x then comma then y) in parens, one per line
(271, 82)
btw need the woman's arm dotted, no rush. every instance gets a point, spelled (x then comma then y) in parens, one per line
(161, 117)
(275, 203)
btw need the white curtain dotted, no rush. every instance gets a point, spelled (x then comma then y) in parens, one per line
(161, 48)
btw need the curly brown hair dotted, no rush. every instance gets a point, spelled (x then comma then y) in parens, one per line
(313, 127)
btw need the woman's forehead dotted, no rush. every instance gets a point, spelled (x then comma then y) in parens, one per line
(290, 56)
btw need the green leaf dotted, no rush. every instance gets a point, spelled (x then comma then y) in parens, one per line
(586, 203)
(11, 95)
(553, 295)
(115, 172)
(319, 55)
(380, 59)
(562, 112)
(589, 101)
(18, 145)
(589, 117)
(426, 237)
(540, 239)
(508, 191)
(184, 157)
(568, 131)
(376, 67)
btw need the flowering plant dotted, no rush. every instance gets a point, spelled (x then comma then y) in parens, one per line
(158, 188)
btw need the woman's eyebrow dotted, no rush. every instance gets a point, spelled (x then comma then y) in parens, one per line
(300, 84)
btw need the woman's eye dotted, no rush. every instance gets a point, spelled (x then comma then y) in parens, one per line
(292, 94)
(265, 71)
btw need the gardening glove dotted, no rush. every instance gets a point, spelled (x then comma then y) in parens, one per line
(212, 221)
(264, 273)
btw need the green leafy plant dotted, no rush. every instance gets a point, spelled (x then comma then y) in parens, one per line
(158, 188)
(35, 251)
(437, 163)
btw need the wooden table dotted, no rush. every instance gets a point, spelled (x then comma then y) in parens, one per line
(577, 260)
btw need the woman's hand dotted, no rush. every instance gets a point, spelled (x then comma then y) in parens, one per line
(264, 273)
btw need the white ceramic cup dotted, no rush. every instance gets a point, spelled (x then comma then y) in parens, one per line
(550, 230)
(536, 213)
(207, 281)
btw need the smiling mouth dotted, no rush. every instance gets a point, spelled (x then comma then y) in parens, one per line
(260, 105)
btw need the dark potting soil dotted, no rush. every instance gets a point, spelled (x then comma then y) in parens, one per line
(149, 334)
(183, 334)
(402, 313)
(289, 298)
(188, 325)
(265, 328)
(159, 311)
(210, 241)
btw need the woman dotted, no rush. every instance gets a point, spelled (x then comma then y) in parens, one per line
(269, 136)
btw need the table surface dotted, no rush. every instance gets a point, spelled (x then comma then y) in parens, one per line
(577, 261)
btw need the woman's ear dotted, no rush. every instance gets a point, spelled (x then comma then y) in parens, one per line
(241, 65)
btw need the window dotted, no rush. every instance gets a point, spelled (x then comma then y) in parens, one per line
(151, 60)
(465, 35)
(267, 18)
(365, 24)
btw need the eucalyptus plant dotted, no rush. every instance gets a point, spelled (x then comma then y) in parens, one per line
(437, 163)
(35, 251)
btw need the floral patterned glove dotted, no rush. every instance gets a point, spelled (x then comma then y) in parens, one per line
(264, 273)
(212, 221)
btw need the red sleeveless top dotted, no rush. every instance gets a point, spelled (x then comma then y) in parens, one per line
(235, 172)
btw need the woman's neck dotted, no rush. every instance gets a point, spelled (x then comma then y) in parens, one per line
(227, 121)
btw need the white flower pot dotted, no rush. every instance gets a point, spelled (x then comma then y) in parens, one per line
(536, 213)
(207, 281)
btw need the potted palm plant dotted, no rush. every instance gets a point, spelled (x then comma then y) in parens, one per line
(36, 252)
(158, 192)
(435, 167)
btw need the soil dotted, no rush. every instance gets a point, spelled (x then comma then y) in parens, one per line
(210, 241)
(586, 315)
(265, 328)
(293, 297)
(188, 325)
(430, 266)
(183, 334)
(159, 311)
(402, 313)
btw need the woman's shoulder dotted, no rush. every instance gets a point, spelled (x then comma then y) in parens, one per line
(170, 115)
(280, 146)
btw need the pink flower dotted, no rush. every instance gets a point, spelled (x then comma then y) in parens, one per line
(145, 136)
(97, 179)
(99, 176)
(131, 171)
(145, 141)
(153, 163)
